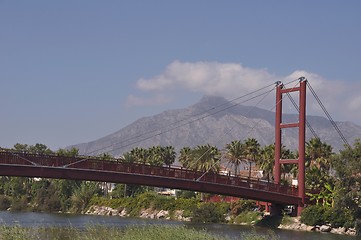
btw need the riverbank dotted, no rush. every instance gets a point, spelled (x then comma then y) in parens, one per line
(149, 213)
(294, 223)
(287, 223)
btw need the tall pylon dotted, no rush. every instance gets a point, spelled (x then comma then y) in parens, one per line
(301, 125)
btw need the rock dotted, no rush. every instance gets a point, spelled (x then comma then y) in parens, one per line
(325, 228)
(351, 231)
(144, 213)
(302, 226)
(123, 213)
(340, 230)
(310, 228)
(162, 214)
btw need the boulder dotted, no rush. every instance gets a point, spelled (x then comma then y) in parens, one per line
(123, 213)
(162, 214)
(325, 228)
(340, 230)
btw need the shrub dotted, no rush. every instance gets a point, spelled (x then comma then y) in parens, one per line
(248, 217)
(185, 194)
(19, 204)
(339, 217)
(207, 213)
(164, 203)
(5, 202)
(313, 215)
(242, 206)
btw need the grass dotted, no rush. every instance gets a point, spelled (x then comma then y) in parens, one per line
(248, 218)
(149, 232)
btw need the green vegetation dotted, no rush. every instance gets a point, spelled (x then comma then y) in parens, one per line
(148, 232)
(248, 218)
(333, 177)
(271, 235)
(208, 213)
(99, 233)
(337, 177)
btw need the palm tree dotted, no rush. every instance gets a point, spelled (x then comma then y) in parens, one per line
(154, 156)
(106, 156)
(266, 161)
(185, 157)
(128, 157)
(168, 155)
(252, 150)
(205, 158)
(288, 168)
(140, 154)
(82, 195)
(318, 153)
(235, 154)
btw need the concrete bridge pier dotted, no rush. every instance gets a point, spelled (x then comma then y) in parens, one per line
(276, 209)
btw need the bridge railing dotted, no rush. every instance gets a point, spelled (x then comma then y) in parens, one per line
(94, 163)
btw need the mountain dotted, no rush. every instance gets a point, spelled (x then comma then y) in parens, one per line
(216, 121)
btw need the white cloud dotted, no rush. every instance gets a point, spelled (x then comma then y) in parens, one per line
(233, 80)
(212, 78)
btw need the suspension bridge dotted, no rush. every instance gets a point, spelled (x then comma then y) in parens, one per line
(91, 168)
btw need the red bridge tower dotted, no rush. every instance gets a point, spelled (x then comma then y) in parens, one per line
(301, 138)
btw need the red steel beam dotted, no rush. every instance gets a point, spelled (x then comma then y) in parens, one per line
(301, 146)
(288, 90)
(278, 135)
(289, 125)
(119, 177)
(289, 161)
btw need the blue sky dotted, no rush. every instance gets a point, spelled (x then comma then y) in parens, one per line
(74, 71)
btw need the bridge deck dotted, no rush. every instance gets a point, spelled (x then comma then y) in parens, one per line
(95, 169)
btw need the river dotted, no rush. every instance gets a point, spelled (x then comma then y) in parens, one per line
(31, 219)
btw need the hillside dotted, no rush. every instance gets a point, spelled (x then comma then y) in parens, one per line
(204, 123)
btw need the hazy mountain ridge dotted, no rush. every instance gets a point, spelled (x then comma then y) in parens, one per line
(210, 125)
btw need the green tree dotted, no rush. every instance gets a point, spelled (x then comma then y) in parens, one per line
(154, 156)
(347, 165)
(185, 157)
(128, 157)
(252, 150)
(21, 147)
(318, 154)
(64, 189)
(141, 155)
(235, 154)
(266, 161)
(206, 158)
(318, 158)
(39, 149)
(82, 195)
(168, 155)
(73, 152)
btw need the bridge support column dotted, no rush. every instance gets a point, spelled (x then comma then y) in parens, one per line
(301, 125)
(276, 209)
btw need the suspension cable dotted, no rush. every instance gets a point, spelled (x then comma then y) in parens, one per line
(276, 84)
(189, 122)
(180, 121)
(184, 119)
(298, 110)
(328, 115)
(229, 132)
